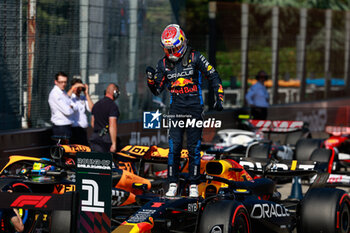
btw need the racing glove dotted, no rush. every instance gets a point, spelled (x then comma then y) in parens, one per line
(219, 101)
(150, 74)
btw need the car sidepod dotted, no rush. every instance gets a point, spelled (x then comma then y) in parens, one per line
(268, 216)
(162, 214)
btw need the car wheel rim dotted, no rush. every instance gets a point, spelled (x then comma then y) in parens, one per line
(240, 224)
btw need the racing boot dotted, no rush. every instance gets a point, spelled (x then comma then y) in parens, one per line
(172, 190)
(194, 190)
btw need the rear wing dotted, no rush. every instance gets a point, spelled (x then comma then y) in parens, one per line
(277, 126)
(148, 153)
(292, 168)
(284, 168)
(337, 130)
(58, 151)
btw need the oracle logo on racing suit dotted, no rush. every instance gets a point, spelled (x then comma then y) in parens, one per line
(268, 211)
(182, 74)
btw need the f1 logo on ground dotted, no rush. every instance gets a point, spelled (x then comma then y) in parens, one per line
(151, 120)
(92, 204)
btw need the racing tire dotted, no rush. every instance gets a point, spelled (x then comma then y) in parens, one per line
(225, 216)
(258, 150)
(292, 138)
(305, 147)
(61, 221)
(325, 210)
(321, 155)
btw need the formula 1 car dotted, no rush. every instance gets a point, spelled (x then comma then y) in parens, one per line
(281, 137)
(56, 175)
(334, 152)
(339, 139)
(231, 201)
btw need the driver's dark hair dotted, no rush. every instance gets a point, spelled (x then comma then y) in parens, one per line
(60, 74)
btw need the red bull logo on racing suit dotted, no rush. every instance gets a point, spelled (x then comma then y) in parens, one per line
(182, 86)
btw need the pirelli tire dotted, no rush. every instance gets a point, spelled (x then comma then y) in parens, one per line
(304, 148)
(225, 216)
(293, 137)
(259, 150)
(325, 210)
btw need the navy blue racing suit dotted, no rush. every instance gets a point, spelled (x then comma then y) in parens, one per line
(183, 79)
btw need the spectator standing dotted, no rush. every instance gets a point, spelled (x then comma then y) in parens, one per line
(61, 107)
(81, 103)
(258, 97)
(105, 114)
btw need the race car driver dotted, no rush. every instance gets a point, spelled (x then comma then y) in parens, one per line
(180, 71)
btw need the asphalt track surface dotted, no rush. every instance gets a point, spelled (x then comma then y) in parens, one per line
(285, 190)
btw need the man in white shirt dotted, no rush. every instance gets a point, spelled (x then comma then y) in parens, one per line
(258, 97)
(61, 107)
(81, 103)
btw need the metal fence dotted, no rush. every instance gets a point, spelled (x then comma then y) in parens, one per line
(101, 41)
(310, 46)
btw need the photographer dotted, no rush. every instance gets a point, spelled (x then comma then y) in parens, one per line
(81, 104)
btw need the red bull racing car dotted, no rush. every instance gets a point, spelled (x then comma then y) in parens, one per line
(232, 201)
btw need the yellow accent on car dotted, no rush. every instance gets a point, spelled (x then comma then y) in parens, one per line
(125, 229)
(74, 148)
(294, 165)
(16, 158)
(243, 116)
(37, 166)
(241, 190)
